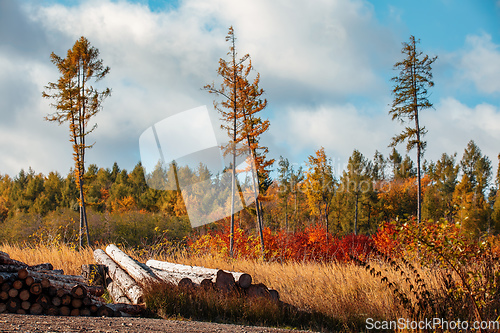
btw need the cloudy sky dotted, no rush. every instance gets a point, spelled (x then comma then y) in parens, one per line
(325, 67)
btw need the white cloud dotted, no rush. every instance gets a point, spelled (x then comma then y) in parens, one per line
(339, 129)
(454, 124)
(480, 63)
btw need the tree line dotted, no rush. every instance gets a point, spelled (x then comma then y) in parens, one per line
(354, 200)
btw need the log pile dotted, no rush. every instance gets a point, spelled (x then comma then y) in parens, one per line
(127, 278)
(41, 290)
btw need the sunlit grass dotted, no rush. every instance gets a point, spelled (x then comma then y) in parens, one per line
(61, 256)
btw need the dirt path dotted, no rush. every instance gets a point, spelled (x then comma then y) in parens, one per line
(27, 323)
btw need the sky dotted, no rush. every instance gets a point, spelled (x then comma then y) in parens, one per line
(325, 65)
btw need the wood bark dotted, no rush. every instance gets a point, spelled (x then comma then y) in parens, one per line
(42, 267)
(175, 278)
(141, 274)
(117, 295)
(58, 277)
(118, 275)
(8, 261)
(127, 308)
(244, 280)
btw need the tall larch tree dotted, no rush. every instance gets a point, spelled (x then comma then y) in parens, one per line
(410, 97)
(76, 102)
(242, 100)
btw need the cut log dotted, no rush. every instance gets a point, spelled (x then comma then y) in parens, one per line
(186, 283)
(25, 305)
(61, 292)
(13, 304)
(24, 295)
(5, 286)
(175, 278)
(207, 284)
(66, 299)
(36, 309)
(3, 307)
(106, 311)
(78, 291)
(21, 311)
(98, 291)
(36, 288)
(29, 281)
(56, 301)
(9, 261)
(93, 308)
(22, 273)
(43, 300)
(45, 283)
(117, 295)
(224, 281)
(87, 301)
(85, 312)
(76, 303)
(8, 276)
(131, 266)
(13, 292)
(64, 311)
(53, 311)
(40, 267)
(51, 290)
(75, 312)
(4, 295)
(275, 296)
(127, 308)
(18, 284)
(71, 279)
(258, 290)
(52, 271)
(244, 280)
(10, 268)
(119, 276)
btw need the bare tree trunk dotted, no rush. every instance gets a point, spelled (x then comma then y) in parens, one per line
(233, 190)
(258, 205)
(356, 215)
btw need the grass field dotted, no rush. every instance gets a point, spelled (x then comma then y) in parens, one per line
(343, 291)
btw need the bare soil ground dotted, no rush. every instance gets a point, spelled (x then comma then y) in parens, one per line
(28, 323)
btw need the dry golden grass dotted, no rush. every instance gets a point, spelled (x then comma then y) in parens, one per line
(60, 256)
(340, 290)
(343, 291)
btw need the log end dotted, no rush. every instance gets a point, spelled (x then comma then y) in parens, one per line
(224, 281)
(245, 280)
